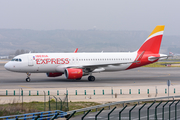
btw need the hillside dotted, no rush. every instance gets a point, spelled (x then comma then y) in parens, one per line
(85, 40)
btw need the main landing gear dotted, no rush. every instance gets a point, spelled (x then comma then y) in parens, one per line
(28, 77)
(91, 78)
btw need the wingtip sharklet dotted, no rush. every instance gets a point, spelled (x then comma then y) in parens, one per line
(76, 50)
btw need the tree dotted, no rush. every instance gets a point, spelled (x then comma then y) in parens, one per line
(17, 52)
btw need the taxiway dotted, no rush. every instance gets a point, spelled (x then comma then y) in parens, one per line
(135, 77)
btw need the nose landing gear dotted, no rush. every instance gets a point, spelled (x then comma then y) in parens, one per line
(28, 77)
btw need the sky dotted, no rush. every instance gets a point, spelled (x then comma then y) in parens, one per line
(141, 15)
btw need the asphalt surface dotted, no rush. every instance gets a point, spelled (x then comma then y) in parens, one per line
(135, 77)
(139, 76)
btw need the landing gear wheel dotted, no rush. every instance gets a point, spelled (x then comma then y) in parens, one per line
(28, 79)
(91, 78)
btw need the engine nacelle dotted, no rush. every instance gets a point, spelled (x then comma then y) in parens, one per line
(73, 73)
(56, 74)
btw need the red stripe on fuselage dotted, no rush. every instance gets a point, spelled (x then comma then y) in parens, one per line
(144, 61)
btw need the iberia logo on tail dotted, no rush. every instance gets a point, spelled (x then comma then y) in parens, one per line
(149, 48)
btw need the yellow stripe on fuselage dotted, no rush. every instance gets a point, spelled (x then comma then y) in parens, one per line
(24, 86)
(158, 28)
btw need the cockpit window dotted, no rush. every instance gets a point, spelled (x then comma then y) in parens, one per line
(16, 59)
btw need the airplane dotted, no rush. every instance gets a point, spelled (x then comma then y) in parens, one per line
(76, 65)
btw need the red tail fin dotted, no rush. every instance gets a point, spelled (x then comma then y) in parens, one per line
(153, 42)
(149, 49)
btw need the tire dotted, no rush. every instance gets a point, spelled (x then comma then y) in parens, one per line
(91, 78)
(28, 79)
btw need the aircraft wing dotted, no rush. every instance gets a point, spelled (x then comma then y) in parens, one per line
(91, 67)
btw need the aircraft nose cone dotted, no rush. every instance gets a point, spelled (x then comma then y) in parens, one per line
(7, 66)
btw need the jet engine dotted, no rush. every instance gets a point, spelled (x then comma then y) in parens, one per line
(73, 73)
(56, 74)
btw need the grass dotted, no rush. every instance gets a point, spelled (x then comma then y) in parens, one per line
(15, 108)
(79, 105)
(161, 64)
(18, 108)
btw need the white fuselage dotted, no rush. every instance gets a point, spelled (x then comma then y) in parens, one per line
(58, 62)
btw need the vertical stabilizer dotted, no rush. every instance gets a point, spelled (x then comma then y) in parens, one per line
(149, 51)
(153, 42)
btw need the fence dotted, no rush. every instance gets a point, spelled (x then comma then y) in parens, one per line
(159, 108)
(93, 91)
(48, 115)
(58, 103)
(28, 104)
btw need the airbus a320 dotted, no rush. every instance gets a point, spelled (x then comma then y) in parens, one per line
(76, 65)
